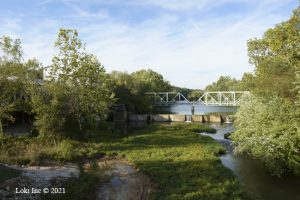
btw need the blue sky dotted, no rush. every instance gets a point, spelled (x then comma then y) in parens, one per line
(190, 42)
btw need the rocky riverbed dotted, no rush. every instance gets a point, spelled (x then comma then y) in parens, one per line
(118, 180)
(37, 177)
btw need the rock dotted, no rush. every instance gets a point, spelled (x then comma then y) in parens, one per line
(43, 175)
(36, 177)
(87, 166)
(125, 182)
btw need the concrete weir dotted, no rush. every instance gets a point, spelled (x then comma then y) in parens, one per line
(176, 118)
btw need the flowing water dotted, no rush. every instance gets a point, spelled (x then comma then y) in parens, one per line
(253, 174)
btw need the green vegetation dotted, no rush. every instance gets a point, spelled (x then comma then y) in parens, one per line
(268, 125)
(130, 89)
(69, 107)
(181, 163)
(77, 93)
(83, 188)
(16, 75)
(224, 83)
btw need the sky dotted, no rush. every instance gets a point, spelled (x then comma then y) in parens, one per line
(190, 42)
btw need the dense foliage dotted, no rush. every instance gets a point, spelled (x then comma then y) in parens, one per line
(16, 75)
(78, 92)
(268, 126)
(224, 83)
(131, 89)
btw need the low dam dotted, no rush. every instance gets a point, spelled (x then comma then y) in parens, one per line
(179, 113)
(178, 118)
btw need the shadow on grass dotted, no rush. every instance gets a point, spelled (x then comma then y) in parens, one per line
(160, 137)
(205, 179)
(7, 173)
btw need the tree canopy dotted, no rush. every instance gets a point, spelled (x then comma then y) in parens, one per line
(78, 93)
(268, 125)
(16, 75)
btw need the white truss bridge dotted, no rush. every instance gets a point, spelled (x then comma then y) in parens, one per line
(221, 98)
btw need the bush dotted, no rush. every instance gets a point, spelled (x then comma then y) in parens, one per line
(269, 130)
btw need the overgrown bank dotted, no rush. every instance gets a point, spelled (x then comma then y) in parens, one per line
(181, 164)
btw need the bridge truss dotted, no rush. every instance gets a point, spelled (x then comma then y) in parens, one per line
(228, 98)
(222, 98)
(166, 98)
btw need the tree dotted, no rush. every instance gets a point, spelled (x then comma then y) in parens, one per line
(15, 77)
(6, 105)
(194, 95)
(268, 126)
(131, 89)
(78, 91)
(269, 131)
(149, 81)
(277, 54)
(11, 50)
(224, 83)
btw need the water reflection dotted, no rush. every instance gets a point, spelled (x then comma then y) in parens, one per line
(126, 128)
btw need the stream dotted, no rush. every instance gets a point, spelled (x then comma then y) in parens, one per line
(252, 173)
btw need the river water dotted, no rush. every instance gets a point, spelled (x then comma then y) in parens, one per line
(253, 174)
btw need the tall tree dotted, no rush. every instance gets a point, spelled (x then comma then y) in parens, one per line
(15, 77)
(268, 126)
(276, 57)
(130, 89)
(78, 90)
(224, 83)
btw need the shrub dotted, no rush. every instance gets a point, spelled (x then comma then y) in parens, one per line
(269, 130)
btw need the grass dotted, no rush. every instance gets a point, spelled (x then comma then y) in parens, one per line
(7, 173)
(82, 188)
(181, 163)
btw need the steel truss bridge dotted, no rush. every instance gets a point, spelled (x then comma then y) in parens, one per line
(221, 98)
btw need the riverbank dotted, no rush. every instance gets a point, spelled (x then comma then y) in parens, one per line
(252, 173)
(180, 163)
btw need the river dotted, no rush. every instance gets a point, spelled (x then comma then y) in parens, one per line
(252, 173)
